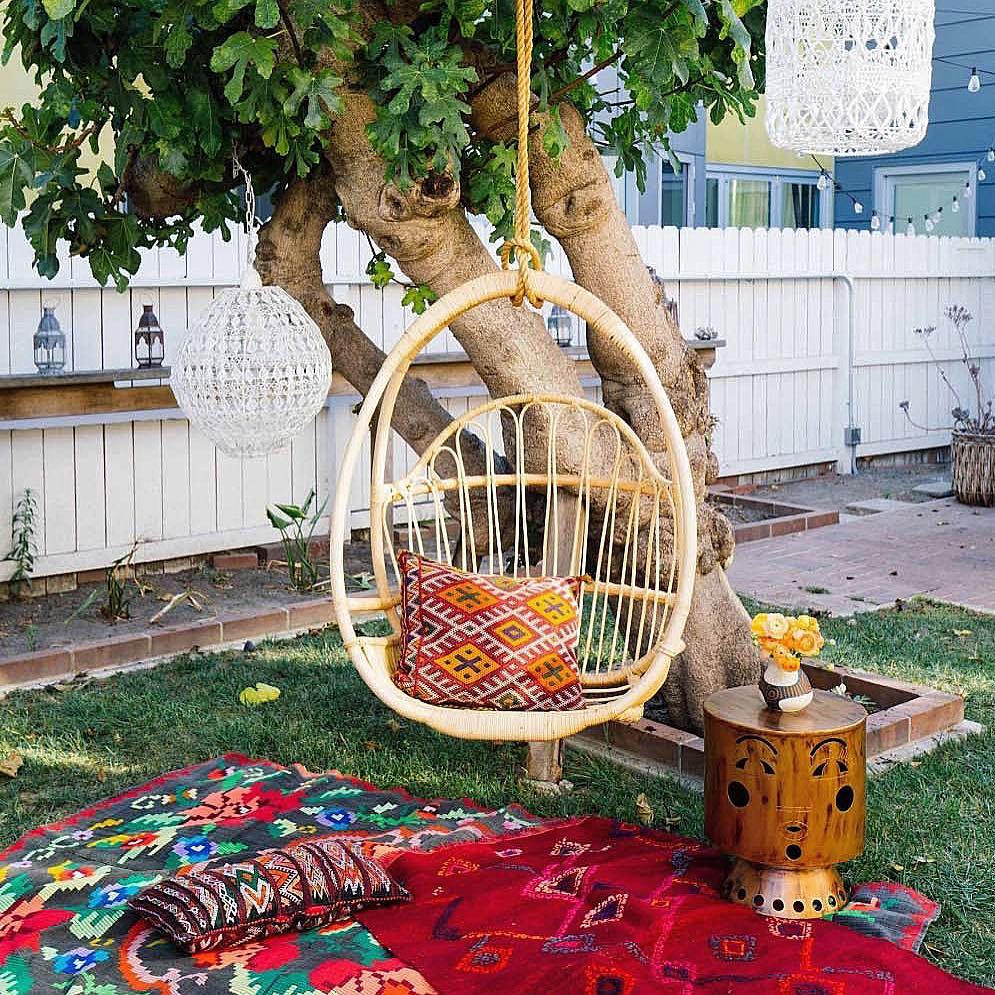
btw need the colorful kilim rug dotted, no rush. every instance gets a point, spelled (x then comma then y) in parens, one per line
(65, 928)
(593, 907)
(891, 911)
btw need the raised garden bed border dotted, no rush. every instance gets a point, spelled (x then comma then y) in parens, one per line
(785, 518)
(117, 652)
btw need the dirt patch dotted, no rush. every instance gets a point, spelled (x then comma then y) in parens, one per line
(836, 491)
(73, 617)
(743, 514)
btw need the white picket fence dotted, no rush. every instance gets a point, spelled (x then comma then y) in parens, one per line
(817, 325)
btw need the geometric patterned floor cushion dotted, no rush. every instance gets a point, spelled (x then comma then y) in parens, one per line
(479, 641)
(300, 887)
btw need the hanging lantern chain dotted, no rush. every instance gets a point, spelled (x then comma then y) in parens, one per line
(250, 278)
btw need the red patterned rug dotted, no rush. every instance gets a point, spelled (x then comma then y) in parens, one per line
(593, 907)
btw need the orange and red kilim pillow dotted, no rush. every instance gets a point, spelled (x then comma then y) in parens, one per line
(478, 641)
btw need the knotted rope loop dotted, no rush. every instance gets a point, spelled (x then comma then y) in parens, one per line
(528, 260)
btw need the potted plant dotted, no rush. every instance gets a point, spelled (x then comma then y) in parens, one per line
(972, 440)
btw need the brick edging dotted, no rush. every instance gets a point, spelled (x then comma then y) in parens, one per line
(788, 518)
(61, 663)
(916, 712)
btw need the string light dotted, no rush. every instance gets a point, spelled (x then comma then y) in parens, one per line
(931, 219)
(974, 83)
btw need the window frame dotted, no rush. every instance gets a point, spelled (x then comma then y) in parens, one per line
(884, 191)
(775, 178)
(688, 173)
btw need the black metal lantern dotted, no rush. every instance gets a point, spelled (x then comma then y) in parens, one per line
(561, 326)
(149, 345)
(49, 343)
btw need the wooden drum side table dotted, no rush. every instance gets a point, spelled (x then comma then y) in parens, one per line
(785, 793)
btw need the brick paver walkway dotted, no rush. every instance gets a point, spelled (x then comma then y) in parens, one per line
(941, 549)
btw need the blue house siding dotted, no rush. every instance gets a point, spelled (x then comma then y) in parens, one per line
(961, 124)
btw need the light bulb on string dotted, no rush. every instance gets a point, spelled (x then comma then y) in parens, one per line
(858, 208)
(982, 175)
(967, 191)
(955, 206)
(974, 83)
(937, 215)
(910, 228)
(823, 181)
(928, 223)
(875, 221)
(990, 155)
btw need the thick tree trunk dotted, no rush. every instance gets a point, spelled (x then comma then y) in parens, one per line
(574, 201)
(289, 255)
(427, 232)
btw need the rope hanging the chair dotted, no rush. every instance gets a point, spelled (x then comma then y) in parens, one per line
(521, 245)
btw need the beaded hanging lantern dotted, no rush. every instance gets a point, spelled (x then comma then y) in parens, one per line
(848, 77)
(253, 369)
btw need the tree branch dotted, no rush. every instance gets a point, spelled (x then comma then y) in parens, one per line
(288, 23)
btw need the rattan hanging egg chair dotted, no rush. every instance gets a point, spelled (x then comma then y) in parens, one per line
(568, 488)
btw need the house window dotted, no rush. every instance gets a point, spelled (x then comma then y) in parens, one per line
(756, 198)
(673, 195)
(800, 203)
(667, 198)
(905, 192)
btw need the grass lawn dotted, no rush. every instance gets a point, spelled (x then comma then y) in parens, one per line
(932, 823)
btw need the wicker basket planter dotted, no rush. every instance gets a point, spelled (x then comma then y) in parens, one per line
(973, 458)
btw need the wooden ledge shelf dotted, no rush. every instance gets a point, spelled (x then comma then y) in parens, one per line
(32, 396)
(14, 381)
(27, 400)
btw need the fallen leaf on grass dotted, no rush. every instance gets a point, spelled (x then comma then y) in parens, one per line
(11, 765)
(394, 726)
(644, 811)
(897, 867)
(963, 633)
(259, 695)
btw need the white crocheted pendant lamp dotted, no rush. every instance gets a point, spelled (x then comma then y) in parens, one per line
(848, 77)
(253, 370)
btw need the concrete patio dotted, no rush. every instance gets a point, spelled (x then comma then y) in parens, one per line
(939, 549)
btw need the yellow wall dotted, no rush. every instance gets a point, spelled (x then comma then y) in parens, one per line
(736, 144)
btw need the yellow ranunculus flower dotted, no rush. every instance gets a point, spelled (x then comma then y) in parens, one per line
(808, 623)
(767, 644)
(806, 642)
(785, 659)
(758, 625)
(775, 626)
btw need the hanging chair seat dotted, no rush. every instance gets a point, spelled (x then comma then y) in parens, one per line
(550, 485)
